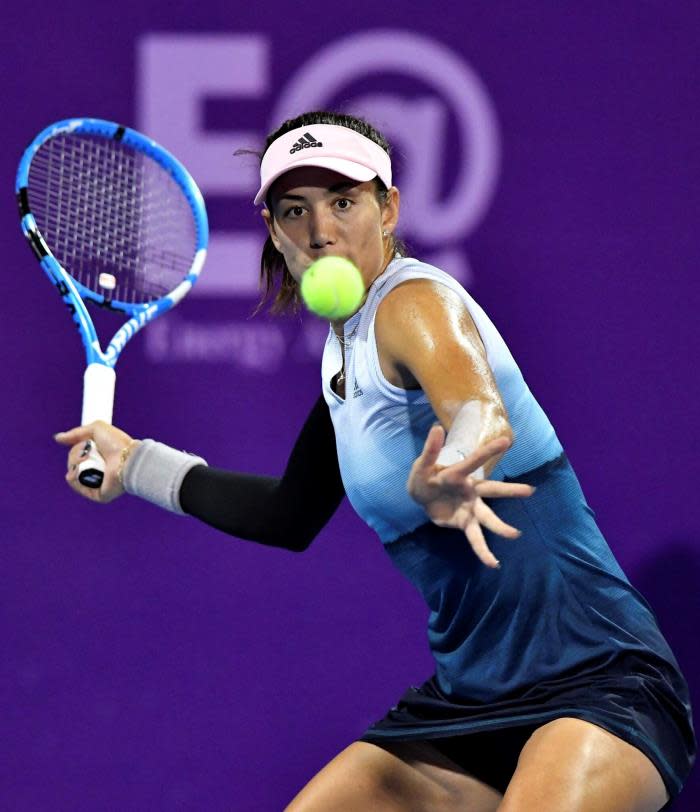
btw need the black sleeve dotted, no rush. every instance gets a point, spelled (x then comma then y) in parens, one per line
(287, 512)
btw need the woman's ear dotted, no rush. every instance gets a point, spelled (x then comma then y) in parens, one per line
(390, 210)
(270, 223)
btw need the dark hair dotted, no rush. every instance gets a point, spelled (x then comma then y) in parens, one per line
(274, 274)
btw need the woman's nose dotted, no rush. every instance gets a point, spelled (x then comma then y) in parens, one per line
(321, 230)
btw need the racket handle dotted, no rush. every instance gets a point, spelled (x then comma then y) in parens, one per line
(91, 471)
(98, 393)
(98, 401)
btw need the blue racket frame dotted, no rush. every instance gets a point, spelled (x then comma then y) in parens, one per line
(73, 293)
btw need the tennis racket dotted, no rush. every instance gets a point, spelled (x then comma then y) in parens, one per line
(115, 221)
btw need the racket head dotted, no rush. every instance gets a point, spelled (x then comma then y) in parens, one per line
(112, 217)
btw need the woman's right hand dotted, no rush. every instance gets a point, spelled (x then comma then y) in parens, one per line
(452, 496)
(111, 442)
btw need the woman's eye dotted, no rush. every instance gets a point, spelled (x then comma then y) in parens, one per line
(344, 203)
(295, 211)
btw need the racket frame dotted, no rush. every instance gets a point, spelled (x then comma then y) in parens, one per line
(98, 389)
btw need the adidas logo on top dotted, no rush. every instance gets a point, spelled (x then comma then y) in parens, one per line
(307, 140)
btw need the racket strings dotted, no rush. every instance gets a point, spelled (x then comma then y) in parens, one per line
(106, 209)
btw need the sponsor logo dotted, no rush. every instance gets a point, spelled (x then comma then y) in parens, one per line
(307, 140)
(446, 131)
(357, 392)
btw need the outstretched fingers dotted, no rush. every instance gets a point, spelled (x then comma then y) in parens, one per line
(431, 448)
(476, 538)
(490, 520)
(490, 488)
(480, 456)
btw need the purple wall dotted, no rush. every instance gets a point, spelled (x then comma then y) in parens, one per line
(549, 154)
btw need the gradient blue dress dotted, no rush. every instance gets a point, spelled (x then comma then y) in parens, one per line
(558, 630)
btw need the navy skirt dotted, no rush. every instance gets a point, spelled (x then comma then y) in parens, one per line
(637, 695)
(631, 701)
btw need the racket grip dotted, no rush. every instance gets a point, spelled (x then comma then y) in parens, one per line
(91, 471)
(98, 402)
(98, 393)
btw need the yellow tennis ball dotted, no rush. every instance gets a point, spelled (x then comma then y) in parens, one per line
(332, 287)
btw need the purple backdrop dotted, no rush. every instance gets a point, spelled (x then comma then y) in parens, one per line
(548, 154)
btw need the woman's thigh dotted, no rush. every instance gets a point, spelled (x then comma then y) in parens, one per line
(573, 765)
(395, 777)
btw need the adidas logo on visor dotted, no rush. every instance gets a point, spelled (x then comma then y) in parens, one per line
(307, 140)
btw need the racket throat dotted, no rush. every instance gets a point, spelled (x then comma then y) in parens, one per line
(98, 393)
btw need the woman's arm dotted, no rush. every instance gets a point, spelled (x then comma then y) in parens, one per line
(284, 512)
(426, 338)
(281, 512)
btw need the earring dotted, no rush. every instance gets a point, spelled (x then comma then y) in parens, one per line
(385, 233)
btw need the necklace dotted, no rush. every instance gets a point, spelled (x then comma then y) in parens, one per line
(346, 344)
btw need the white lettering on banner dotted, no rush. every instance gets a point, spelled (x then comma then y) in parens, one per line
(235, 260)
(259, 347)
(447, 177)
(310, 341)
(176, 72)
(458, 90)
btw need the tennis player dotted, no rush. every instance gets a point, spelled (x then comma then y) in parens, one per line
(553, 687)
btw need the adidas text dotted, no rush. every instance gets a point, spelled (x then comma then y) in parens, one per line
(307, 140)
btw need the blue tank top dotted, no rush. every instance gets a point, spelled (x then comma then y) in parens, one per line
(380, 429)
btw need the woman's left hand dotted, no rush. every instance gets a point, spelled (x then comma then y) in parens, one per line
(452, 498)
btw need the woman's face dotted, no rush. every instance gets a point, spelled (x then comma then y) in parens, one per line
(317, 213)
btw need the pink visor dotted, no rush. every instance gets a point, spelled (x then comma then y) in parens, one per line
(327, 145)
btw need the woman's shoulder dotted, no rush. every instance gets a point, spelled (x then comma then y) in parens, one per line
(417, 292)
(402, 270)
(411, 266)
(419, 308)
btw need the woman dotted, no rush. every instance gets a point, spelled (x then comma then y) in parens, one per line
(554, 689)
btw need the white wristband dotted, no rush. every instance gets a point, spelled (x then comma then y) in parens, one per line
(155, 471)
(449, 455)
(463, 436)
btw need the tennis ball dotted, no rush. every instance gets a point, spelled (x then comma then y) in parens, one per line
(332, 287)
